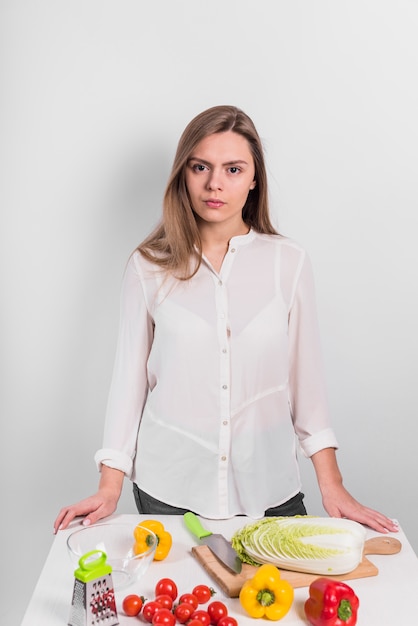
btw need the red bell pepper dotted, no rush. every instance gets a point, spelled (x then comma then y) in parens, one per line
(331, 603)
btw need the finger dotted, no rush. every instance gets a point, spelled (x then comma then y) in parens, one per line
(58, 524)
(103, 510)
(69, 513)
(92, 519)
(376, 521)
(384, 524)
(65, 521)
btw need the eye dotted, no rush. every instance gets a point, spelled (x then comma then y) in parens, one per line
(234, 170)
(198, 167)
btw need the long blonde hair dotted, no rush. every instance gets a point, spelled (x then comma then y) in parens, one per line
(175, 242)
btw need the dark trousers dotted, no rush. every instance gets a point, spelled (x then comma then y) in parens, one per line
(150, 506)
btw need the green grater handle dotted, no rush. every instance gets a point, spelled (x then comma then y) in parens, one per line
(90, 568)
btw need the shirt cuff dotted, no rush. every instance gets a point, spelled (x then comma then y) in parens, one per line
(319, 441)
(115, 459)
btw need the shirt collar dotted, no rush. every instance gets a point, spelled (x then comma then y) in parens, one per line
(242, 240)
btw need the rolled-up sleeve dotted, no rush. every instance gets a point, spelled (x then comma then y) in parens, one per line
(129, 386)
(307, 394)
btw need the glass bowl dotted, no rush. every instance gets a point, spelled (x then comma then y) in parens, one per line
(117, 542)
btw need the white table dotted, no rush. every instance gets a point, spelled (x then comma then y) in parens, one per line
(388, 599)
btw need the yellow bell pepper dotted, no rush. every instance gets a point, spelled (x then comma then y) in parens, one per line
(143, 538)
(266, 594)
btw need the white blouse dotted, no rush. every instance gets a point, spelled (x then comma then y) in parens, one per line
(217, 378)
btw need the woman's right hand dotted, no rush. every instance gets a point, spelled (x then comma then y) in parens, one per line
(95, 507)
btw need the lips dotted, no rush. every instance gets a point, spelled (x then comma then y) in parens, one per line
(214, 203)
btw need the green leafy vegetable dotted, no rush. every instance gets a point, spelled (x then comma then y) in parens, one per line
(302, 543)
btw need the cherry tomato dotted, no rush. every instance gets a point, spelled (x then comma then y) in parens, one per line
(149, 610)
(165, 600)
(203, 593)
(194, 622)
(183, 612)
(163, 617)
(132, 605)
(216, 611)
(202, 616)
(228, 620)
(189, 598)
(166, 586)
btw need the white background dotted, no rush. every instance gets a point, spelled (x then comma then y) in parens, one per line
(95, 94)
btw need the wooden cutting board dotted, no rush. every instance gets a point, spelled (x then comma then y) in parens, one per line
(231, 583)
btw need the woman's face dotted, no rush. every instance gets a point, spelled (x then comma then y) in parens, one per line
(219, 175)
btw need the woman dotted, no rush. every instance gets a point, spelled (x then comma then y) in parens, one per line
(217, 372)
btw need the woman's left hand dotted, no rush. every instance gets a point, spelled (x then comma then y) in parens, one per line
(338, 502)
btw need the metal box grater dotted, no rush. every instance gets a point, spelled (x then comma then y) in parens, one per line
(93, 602)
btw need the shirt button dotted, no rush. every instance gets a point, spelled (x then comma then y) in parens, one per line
(232, 250)
(224, 350)
(223, 458)
(224, 386)
(225, 422)
(220, 283)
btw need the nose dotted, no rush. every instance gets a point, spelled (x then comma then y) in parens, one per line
(214, 181)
